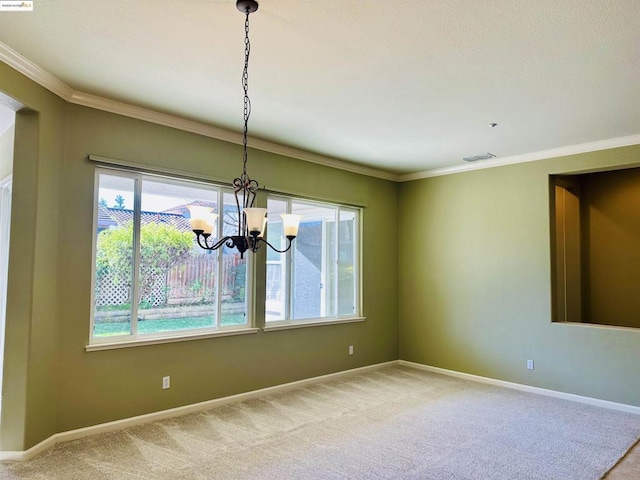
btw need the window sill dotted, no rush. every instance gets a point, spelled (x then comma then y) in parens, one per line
(94, 347)
(311, 323)
(598, 326)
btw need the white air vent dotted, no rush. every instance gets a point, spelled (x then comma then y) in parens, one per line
(482, 156)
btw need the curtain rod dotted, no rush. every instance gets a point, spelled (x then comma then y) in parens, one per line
(202, 178)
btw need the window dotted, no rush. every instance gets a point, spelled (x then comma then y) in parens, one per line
(150, 277)
(319, 277)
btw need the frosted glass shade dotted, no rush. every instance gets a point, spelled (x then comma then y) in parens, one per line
(255, 219)
(202, 218)
(264, 227)
(290, 224)
(210, 221)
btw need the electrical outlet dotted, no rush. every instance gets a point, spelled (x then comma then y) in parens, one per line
(530, 364)
(166, 382)
(350, 349)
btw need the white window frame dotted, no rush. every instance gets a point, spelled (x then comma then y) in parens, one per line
(135, 338)
(288, 269)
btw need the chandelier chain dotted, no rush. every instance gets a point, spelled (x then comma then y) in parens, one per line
(251, 221)
(247, 101)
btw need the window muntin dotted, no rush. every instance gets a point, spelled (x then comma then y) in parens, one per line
(347, 255)
(150, 277)
(276, 307)
(319, 277)
(233, 279)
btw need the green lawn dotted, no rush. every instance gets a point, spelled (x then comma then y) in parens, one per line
(165, 325)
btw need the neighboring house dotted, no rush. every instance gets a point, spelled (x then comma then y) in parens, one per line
(105, 220)
(183, 210)
(111, 217)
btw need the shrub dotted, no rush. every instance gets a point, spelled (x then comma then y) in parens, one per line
(161, 247)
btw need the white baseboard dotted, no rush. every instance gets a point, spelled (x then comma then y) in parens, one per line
(526, 388)
(19, 456)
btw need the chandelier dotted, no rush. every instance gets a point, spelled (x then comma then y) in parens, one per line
(252, 221)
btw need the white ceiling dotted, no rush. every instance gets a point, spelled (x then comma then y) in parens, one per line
(398, 85)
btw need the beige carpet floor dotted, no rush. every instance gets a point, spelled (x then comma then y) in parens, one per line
(392, 423)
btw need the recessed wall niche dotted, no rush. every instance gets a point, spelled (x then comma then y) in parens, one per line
(595, 245)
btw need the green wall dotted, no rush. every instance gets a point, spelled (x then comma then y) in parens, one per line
(470, 292)
(51, 383)
(29, 403)
(475, 291)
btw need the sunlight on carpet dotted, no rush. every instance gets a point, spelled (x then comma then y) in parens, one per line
(392, 423)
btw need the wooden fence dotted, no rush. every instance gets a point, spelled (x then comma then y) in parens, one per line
(193, 281)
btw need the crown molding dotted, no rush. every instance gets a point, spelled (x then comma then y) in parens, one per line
(147, 115)
(322, 160)
(34, 72)
(140, 113)
(526, 157)
(61, 89)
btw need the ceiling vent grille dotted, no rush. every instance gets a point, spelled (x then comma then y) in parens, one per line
(482, 156)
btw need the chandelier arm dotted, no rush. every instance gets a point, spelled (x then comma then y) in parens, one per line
(274, 248)
(215, 246)
(253, 244)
